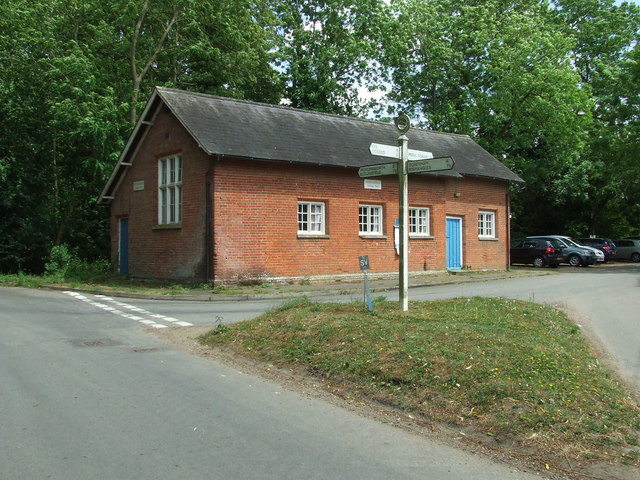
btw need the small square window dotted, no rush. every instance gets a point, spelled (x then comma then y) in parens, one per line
(486, 224)
(370, 219)
(311, 218)
(419, 221)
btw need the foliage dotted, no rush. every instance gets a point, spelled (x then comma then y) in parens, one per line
(604, 35)
(66, 266)
(59, 260)
(502, 73)
(551, 88)
(73, 77)
(512, 370)
(327, 51)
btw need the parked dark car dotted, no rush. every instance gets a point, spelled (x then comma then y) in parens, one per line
(573, 254)
(538, 252)
(628, 249)
(606, 245)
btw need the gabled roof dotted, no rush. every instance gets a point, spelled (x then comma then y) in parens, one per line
(241, 129)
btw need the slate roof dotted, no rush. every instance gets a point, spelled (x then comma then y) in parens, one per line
(241, 129)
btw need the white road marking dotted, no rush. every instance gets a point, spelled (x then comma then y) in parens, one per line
(141, 312)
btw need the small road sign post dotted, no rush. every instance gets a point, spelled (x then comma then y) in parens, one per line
(364, 266)
(408, 161)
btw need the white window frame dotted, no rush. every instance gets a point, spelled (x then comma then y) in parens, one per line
(170, 190)
(486, 224)
(311, 218)
(370, 220)
(419, 221)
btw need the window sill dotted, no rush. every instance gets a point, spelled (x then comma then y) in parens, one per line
(167, 226)
(373, 237)
(305, 236)
(488, 239)
(422, 237)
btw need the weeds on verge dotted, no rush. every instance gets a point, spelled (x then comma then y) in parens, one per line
(507, 369)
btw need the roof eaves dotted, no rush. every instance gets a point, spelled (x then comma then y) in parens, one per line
(135, 139)
(517, 179)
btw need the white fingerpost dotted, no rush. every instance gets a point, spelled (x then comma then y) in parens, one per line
(404, 222)
(408, 161)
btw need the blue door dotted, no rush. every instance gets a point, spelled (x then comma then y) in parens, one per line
(123, 246)
(454, 243)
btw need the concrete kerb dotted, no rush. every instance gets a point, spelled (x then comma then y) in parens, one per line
(379, 284)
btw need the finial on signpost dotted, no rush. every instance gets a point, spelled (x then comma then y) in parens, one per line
(403, 123)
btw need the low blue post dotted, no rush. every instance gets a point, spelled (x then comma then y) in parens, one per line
(367, 292)
(364, 266)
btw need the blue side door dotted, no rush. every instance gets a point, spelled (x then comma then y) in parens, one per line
(123, 246)
(454, 243)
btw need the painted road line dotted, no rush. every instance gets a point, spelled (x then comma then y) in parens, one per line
(142, 311)
(137, 315)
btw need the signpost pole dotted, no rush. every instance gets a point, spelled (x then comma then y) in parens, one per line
(421, 162)
(404, 222)
(367, 292)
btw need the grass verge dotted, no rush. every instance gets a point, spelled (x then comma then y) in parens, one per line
(510, 372)
(106, 283)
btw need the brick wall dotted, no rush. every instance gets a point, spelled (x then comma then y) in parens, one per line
(154, 251)
(255, 226)
(254, 217)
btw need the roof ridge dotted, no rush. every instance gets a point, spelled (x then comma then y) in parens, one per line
(299, 110)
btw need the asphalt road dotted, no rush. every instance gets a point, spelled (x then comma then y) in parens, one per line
(87, 394)
(604, 299)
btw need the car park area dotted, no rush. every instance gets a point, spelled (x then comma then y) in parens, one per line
(565, 250)
(552, 250)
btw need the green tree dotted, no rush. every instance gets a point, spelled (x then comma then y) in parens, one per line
(501, 72)
(74, 75)
(328, 52)
(605, 34)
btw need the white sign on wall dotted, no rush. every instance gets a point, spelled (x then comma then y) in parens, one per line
(372, 184)
(138, 186)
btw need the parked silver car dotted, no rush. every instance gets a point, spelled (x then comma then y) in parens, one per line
(598, 253)
(628, 249)
(572, 253)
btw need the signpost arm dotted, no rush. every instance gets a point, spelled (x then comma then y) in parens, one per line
(404, 222)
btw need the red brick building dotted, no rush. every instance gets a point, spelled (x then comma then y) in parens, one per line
(216, 189)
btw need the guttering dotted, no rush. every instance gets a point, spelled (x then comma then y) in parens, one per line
(208, 225)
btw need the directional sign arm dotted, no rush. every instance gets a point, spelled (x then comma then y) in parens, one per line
(378, 170)
(430, 165)
(392, 151)
(418, 155)
(384, 150)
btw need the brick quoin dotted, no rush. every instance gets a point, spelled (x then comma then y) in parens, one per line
(253, 216)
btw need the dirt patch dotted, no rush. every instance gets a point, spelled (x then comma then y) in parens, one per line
(341, 393)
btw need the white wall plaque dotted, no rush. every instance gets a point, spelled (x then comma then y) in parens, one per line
(138, 186)
(372, 184)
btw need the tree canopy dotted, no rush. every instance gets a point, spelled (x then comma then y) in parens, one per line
(549, 87)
